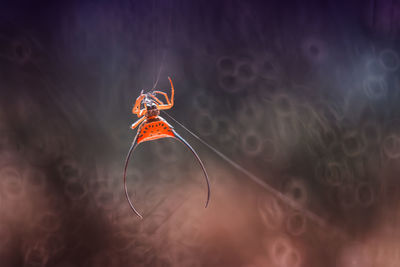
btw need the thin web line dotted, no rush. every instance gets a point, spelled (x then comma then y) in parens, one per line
(155, 42)
(257, 180)
(164, 50)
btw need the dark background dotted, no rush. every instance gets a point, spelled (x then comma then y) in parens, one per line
(302, 94)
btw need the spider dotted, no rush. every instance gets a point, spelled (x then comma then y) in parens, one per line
(152, 126)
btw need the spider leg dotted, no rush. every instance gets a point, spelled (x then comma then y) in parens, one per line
(137, 122)
(162, 107)
(142, 112)
(136, 107)
(162, 93)
(200, 162)
(170, 102)
(156, 99)
(172, 91)
(131, 149)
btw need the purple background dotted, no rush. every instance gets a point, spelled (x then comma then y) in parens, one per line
(304, 95)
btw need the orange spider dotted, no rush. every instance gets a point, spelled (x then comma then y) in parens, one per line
(152, 127)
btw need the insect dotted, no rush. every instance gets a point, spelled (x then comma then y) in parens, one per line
(152, 126)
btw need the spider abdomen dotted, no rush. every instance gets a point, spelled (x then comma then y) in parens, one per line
(153, 129)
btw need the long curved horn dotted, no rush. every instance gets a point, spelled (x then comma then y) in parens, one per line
(177, 136)
(131, 149)
(200, 162)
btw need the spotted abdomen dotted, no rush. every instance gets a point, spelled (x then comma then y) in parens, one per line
(154, 130)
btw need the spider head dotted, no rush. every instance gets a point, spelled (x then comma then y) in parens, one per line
(148, 102)
(150, 105)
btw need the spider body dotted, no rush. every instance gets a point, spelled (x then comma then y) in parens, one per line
(153, 129)
(152, 126)
(151, 110)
